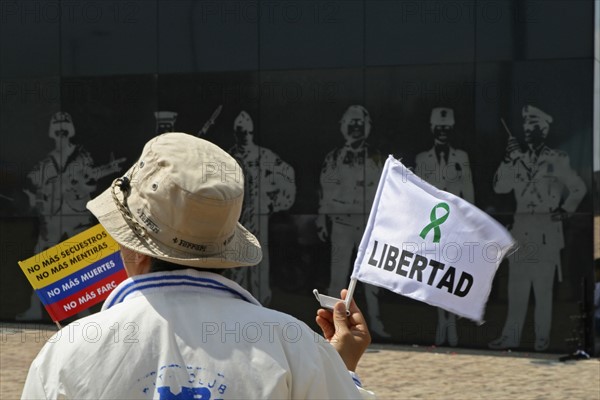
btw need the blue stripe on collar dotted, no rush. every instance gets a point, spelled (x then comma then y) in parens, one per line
(141, 283)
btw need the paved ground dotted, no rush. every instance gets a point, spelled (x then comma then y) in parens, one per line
(393, 372)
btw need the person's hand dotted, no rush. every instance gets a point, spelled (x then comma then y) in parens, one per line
(348, 334)
(512, 149)
(558, 214)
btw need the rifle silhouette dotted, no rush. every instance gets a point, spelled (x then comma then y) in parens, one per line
(210, 122)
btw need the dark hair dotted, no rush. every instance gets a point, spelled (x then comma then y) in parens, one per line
(158, 265)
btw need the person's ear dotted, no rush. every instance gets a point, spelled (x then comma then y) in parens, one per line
(140, 258)
(135, 263)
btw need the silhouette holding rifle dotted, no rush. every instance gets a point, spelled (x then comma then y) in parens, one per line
(546, 191)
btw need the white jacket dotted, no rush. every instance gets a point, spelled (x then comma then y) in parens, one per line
(187, 335)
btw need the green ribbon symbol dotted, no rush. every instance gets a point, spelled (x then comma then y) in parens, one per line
(436, 222)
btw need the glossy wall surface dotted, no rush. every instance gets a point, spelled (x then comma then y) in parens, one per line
(287, 74)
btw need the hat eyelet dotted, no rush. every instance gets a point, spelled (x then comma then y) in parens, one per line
(154, 186)
(142, 164)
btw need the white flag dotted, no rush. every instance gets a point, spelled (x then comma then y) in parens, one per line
(430, 245)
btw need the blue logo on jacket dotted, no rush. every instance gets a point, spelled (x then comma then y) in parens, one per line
(186, 393)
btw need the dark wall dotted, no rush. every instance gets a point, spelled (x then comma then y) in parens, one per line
(296, 67)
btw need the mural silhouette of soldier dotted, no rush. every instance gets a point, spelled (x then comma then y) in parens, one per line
(165, 121)
(448, 169)
(349, 178)
(269, 187)
(546, 190)
(58, 189)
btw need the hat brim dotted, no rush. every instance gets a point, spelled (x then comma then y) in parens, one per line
(243, 249)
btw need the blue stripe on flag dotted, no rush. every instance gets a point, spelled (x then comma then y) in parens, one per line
(86, 277)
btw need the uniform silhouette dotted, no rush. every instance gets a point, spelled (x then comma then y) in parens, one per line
(448, 169)
(349, 178)
(546, 189)
(269, 187)
(58, 189)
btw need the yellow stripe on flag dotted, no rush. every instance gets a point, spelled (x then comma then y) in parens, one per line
(69, 256)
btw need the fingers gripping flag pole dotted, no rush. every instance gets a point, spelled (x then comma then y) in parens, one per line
(429, 245)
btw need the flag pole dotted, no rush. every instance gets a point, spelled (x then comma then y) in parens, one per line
(350, 293)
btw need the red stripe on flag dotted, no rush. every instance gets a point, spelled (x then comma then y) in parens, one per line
(85, 298)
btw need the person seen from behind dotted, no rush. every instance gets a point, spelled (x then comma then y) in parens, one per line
(178, 329)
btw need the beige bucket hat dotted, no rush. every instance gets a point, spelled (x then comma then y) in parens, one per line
(180, 202)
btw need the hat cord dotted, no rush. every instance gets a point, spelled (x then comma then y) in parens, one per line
(124, 186)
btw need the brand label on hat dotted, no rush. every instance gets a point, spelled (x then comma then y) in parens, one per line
(198, 247)
(229, 239)
(190, 245)
(147, 221)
